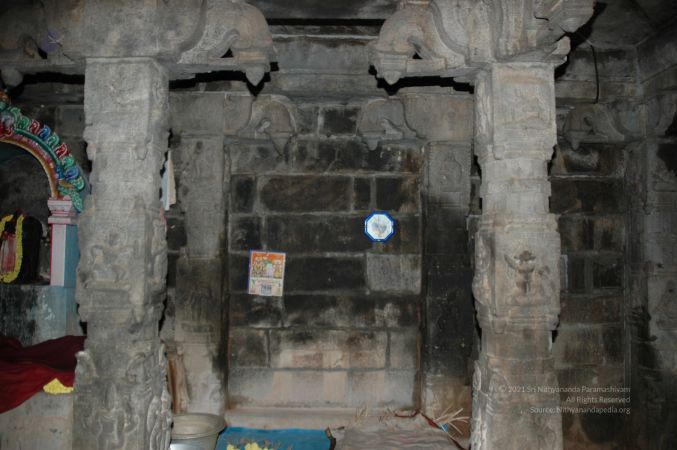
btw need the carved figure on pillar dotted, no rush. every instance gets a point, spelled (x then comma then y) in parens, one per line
(509, 50)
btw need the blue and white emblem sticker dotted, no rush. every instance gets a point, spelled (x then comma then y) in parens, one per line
(379, 226)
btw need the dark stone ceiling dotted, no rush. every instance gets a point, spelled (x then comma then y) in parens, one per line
(326, 9)
(617, 23)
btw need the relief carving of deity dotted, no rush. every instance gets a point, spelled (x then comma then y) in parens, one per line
(108, 261)
(533, 282)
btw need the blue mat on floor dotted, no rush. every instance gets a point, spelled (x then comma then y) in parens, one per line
(292, 438)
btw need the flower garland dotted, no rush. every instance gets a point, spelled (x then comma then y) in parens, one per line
(11, 276)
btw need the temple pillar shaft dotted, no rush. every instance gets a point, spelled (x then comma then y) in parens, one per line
(121, 399)
(516, 284)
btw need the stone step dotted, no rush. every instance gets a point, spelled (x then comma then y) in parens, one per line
(304, 418)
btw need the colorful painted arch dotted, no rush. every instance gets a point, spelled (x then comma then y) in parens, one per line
(66, 179)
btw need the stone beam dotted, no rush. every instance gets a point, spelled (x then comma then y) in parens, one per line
(121, 399)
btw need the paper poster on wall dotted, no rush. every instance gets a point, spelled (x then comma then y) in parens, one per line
(266, 273)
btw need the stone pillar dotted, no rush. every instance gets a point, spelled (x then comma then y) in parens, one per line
(517, 254)
(121, 400)
(64, 251)
(199, 291)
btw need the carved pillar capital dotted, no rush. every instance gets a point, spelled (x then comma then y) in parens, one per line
(188, 37)
(455, 38)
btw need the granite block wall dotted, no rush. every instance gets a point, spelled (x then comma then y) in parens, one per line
(346, 332)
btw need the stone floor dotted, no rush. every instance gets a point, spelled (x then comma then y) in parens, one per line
(354, 429)
(389, 432)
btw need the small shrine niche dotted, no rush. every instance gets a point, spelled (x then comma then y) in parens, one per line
(41, 196)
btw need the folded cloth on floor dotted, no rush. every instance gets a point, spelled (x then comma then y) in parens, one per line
(25, 370)
(294, 439)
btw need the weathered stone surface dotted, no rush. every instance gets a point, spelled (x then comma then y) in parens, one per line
(349, 155)
(450, 328)
(607, 273)
(43, 421)
(172, 259)
(404, 347)
(656, 55)
(176, 233)
(307, 119)
(238, 272)
(611, 63)
(198, 300)
(578, 274)
(448, 169)
(24, 186)
(585, 309)
(306, 193)
(588, 346)
(351, 311)
(591, 196)
(593, 159)
(338, 120)
(398, 194)
(255, 158)
(407, 238)
(318, 274)
(453, 120)
(205, 376)
(248, 348)
(446, 231)
(331, 349)
(70, 120)
(394, 273)
(261, 387)
(200, 164)
(446, 273)
(383, 389)
(34, 313)
(272, 118)
(245, 233)
(301, 233)
(382, 120)
(603, 233)
(197, 113)
(517, 249)
(362, 194)
(243, 193)
(256, 312)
